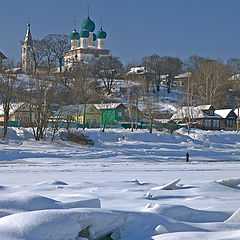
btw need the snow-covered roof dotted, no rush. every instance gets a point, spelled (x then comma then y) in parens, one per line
(223, 112)
(236, 112)
(204, 107)
(183, 75)
(13, 107)
(15, 70)
(71, 110)
(194, 112)
(107, 106)
(186, 112)
(138, 70)
(235, 77)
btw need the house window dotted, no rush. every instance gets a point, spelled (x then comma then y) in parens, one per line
(88, 121)
(119, 114)
(94, 122)
(216, 123)
(230, 122)
(91, 109)
(26, 119)
(207, 123)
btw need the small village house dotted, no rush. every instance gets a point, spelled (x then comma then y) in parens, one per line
(202, 116)
(182, 78)
(228, 118)
(111, 113)
(75, 114)
(19, 115)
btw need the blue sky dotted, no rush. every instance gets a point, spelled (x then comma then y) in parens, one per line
(136, 28)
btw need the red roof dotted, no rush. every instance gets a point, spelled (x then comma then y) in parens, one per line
(2, 55)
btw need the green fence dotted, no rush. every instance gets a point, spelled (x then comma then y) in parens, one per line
(15, 124)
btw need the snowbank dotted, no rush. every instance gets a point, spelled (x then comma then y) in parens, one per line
(31, 203)
(186, 214)
(59, 224)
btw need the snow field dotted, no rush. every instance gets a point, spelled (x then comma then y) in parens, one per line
(128, 186)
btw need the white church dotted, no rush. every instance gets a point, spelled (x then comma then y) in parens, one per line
(85, 46)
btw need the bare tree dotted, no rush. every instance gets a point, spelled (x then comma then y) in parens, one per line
(211, 82)
(130, 100)
(9, 63)
(108, 69)
(149, 104)
(134, 92)
(55, 123)
(165, 65)
(234, 64)
(49, 57)
(39, 98)
(38, 53)
(84, 88)
(153, 62)
(59, 44)
(8, 91)
(194, 63)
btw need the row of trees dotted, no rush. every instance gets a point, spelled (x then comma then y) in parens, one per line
(212, 82)
(88, 83)
(93, 83)
(49, 51)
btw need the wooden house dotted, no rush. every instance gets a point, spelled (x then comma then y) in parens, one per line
(111, 113)
(228, 118)
(182, 78)
(206, 117)
(19, 115)
(75, 113)
(202, 116)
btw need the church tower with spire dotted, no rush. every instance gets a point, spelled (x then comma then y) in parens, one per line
(27, 51)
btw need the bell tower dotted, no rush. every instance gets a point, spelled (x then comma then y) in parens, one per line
(27, 51)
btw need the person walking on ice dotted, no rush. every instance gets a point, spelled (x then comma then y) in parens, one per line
(187, 157)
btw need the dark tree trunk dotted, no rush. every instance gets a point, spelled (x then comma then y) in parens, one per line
(68, 122)
(60, 64)
(151, 123)
(84, 116)
(6, 119)
(136, 127)
(104, 125)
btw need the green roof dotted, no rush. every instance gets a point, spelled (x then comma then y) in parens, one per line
(88, 24)
(101, 34)
(74, 35)
(84, 33)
